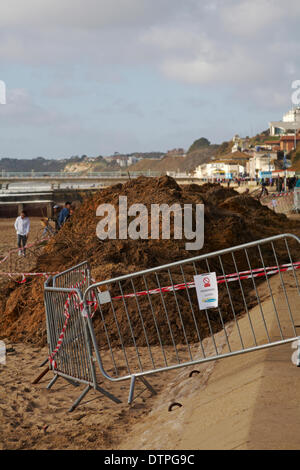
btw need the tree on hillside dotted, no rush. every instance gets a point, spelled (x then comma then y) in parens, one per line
(225, 148)
(196, 158)
(198, 144)
(295, 155)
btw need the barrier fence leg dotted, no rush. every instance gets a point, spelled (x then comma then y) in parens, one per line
(76, 402)
(86, 390)
(146, 383)
(75, 384)
(107, 394)
(131, 390)
(52, 382)
(132, 386)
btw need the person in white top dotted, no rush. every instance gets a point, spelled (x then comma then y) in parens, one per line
(22, 226)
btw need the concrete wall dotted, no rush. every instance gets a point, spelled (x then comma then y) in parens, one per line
(12, 206)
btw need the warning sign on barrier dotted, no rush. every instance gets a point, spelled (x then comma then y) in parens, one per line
(207, 290)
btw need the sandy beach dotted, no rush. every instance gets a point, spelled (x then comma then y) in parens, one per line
(222, 404)
(243, 402)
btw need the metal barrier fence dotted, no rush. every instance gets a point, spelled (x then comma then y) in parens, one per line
(90, 174)
(281, 203)
(69, 344)
(150, 321)
(79, 275)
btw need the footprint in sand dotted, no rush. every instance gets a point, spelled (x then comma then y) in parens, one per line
(31, 405)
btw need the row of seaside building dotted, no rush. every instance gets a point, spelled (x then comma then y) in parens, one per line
(264, 161)
(258, 163)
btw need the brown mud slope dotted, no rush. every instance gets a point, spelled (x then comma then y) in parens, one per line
(230, 219)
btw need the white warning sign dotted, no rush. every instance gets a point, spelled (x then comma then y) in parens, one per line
(207, 290)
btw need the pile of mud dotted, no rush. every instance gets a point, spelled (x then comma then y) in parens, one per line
(230, 219)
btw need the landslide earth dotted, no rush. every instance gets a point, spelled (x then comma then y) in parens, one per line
(230, 219)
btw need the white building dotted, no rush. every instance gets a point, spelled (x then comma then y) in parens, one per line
(220, 169)
(261, 162)
(132, 160)
(290, 121)
(123, 160)
(291, 115)
(240, 144)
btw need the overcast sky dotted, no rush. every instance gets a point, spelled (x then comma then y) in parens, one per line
(99, 76)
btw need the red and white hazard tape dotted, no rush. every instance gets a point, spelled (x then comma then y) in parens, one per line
(268, 271)
(78, 304)
(30, 245)
(273, 195)
(62, 334)
(282, 194)
(25, 275)
(4, 259)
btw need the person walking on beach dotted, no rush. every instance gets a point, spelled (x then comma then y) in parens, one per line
(22, 226)
(264, 190)
(55, 216)
(48, 230)
(64, 214)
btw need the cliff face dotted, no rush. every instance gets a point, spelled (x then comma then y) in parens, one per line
(73, 164)
(36, 164)
(91, 166)
(80, 167)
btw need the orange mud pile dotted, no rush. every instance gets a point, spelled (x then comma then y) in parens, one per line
(230, 219)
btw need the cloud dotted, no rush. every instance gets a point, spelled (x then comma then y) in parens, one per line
(63, 91)
(252, 16)
(250, 45)
(122, 106)
(22, 110)
(192, 42)
(237, 52)
(91, 14)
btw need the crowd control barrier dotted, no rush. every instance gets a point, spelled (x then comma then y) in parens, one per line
(161, 319)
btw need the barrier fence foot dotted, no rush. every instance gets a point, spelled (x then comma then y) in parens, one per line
(132, 385)
(76, 403)
(131, 390)
(75, 384)
(52, 382)
(150, 388)
(107, 394)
